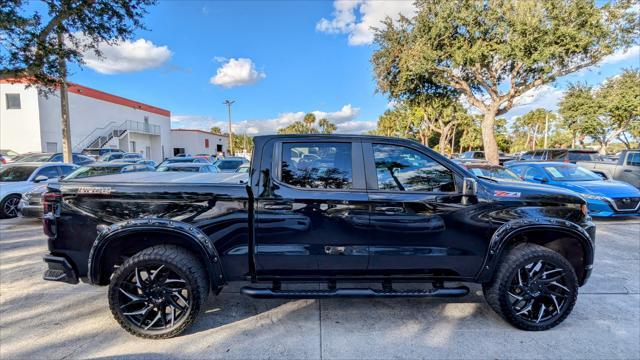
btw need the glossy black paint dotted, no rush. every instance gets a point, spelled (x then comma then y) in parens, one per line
(269, 230)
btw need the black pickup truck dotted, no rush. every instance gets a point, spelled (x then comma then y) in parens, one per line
(327, 209)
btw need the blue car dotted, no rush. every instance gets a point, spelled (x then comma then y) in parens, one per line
(605, 198)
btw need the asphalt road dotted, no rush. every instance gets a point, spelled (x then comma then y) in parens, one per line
(41, 319)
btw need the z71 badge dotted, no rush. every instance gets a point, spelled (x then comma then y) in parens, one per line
(94, 190)
(506, 194)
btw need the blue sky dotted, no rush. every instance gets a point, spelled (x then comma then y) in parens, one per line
(277, 59)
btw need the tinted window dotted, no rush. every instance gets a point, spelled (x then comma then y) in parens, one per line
(51, 172)
(229, 164)
(320, 165)
(527, 156)
(56, 158)
(478, 155)
(584, 156)
(557, 154)
(633, 159)
(538, 155)
(467, 155)
(404, 169)
(65, 170)
(13, 101)
(16, 173)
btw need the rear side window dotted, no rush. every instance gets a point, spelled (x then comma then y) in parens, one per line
(51, 172)
(317, 165)
(403, 169)
(633, 159)
(538, 155)
(584, 156)
(66, 170)
(557, 155)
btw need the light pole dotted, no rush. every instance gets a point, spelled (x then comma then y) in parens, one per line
(229, 103)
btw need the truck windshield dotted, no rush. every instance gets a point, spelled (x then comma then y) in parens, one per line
(16, 173)
(571, 173)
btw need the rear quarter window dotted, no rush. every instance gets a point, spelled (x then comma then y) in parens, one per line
(317, 165)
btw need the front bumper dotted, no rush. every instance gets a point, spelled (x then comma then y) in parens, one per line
(603, 208)
(59, 269)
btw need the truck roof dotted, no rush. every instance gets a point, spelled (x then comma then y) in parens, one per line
(145, 177)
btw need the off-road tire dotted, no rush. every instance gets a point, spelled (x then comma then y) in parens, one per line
(496, 292)
(181, 262)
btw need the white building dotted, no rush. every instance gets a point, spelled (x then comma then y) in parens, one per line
(30, 121)
(193, 142)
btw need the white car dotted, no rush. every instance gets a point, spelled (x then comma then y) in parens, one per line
(18, 178)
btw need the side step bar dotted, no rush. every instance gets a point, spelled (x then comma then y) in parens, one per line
(269, 293)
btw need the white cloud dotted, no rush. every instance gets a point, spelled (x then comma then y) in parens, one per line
(371, 13)
(237, 72)
(545, 96)
(622, 55)
(127, 56)
(343, 118)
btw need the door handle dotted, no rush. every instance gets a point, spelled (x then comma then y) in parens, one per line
(389, 209)
(278, 206)
(627, 170)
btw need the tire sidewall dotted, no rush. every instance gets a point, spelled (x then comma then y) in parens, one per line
(3, 215)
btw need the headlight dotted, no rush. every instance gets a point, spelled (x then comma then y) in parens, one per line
(594, 197)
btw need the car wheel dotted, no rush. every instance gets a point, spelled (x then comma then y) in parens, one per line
(158, 292)
(9, 206)
(534, 288)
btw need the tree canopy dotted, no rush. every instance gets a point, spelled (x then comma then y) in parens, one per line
(29, 40)
(308, 126)
(493, 51)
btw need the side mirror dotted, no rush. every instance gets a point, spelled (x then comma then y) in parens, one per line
(40, 178)
(469, 186)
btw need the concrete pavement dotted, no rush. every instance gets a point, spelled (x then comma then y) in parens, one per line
(41, 319)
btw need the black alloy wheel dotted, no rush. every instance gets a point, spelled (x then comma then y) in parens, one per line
(539, 291)
(158, 292)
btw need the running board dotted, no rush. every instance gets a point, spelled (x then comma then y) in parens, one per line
(268, 293)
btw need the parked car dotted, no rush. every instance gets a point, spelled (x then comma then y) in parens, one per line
(17, 178)
(147, 162)
(230, 164)
(97, 153)
(30, 205)
(8, 155)
(107, 168)
(189, 167)
(565, 155)
(243, 169)
(627, 168)
(208, 157)
(184, 159)
(492, 172)
(605, 198)
(3, 161)
(364, 208)
(479, 156)
(78, 159)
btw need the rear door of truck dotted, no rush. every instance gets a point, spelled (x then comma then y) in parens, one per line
(312, 210)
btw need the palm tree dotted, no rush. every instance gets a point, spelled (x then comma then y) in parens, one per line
(326, 126)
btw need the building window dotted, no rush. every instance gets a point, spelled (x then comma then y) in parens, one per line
(206, 143)
(178, 151)
(219, 148)
(13, 101)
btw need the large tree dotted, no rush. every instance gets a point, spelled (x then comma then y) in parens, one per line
(37, 45)
(493, 51)
(619, 98)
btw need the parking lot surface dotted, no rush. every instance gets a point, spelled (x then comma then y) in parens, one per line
(40, 319)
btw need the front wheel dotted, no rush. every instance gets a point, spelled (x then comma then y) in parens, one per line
(535, 288)
(158, 292)
(9, 207)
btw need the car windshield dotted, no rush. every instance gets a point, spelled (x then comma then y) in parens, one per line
(496, 173)
(10, 153)
(179, 168)
(228, 164)
(16, 173)
(89, 171)
(571, 173)
(36, 158)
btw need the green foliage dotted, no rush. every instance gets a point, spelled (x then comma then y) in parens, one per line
(216, 130)
(29, 39)
(242, 142)
(308, 126)
(493, 51)
(530, 128)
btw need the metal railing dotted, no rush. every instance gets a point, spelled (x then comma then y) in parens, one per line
(100, 136)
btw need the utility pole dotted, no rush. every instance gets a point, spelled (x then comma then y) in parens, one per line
(546, 128)
(229, 103)
(64, 104)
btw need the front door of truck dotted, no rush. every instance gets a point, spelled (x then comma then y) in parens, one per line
(419, 223)
(312, 215)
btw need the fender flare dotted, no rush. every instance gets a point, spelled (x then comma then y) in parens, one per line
(506, 233)
(108, 233)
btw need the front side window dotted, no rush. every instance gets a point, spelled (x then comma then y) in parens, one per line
(534, 174)
(403, 169)
(16, 173)
(13, 101)
(51, 172)
(317, 165)
(633, 159)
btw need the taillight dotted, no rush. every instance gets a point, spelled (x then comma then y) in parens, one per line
(50, 202)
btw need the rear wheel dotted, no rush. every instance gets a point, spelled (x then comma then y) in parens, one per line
(158, 292)
(534, 288)
(9, 206)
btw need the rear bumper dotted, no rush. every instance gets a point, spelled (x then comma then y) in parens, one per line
(59, 269)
